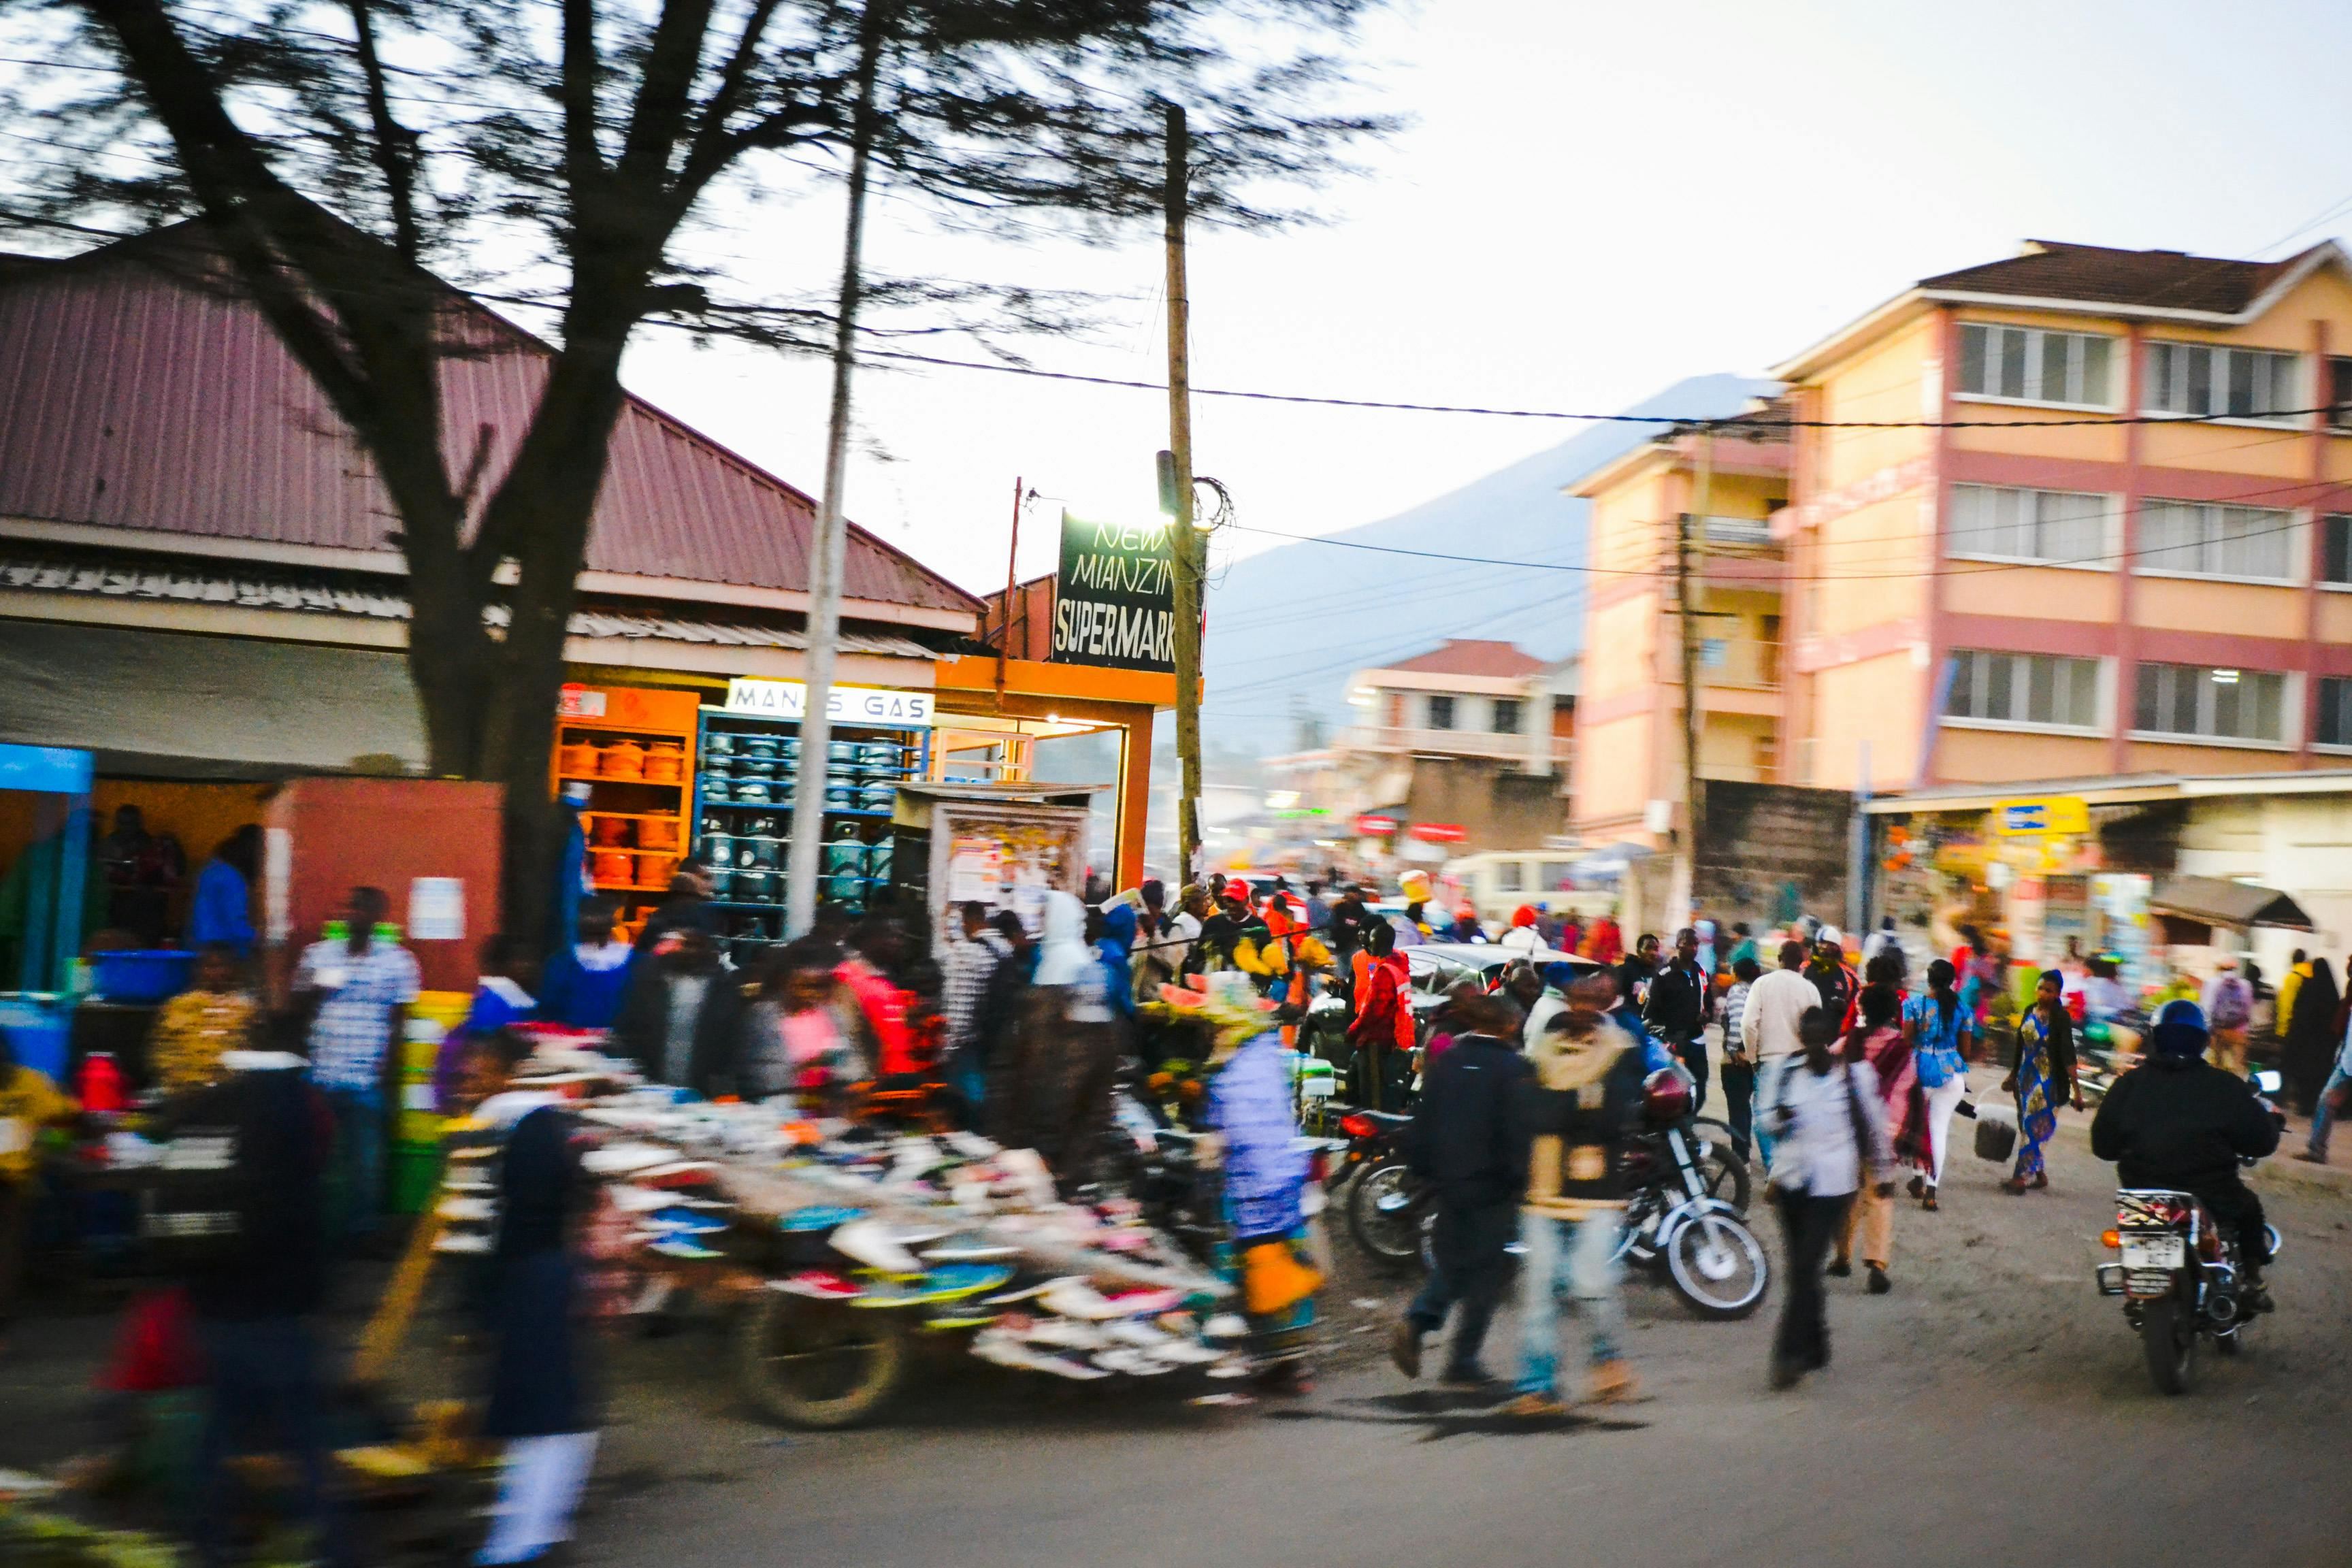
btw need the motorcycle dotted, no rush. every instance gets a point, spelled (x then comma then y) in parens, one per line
(2107, 1048)
(2180, 1275)
(1685, 1211)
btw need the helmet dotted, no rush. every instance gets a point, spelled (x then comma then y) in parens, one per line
(1665, 1096)
(1832, 935)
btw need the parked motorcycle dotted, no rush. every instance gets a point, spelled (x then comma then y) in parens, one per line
(2180, 1275)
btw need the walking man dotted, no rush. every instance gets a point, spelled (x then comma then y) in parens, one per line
(1767, 1030)
(1575, 1112)
(362, 987)
(1461, 1140)
(1676, 1011)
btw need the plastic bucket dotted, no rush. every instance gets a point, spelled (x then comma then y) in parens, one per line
(142, 975)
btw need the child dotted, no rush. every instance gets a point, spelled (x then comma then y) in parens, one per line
(499, 1000)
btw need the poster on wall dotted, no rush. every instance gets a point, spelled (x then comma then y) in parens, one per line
(976, 870)
(1114, 601)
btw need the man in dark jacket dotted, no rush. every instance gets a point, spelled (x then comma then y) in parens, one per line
(1640, 967)
(1461, 1140)
(1676, 1011)
(251, 1153)
(2181, 1123)
(681, 1019)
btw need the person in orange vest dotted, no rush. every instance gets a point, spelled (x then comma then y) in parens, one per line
(1384, 1021)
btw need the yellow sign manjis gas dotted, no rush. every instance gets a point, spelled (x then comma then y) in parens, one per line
(2037, 816)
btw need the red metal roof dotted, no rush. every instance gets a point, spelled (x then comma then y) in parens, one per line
(1471, 655)
(2058, 270)
(132, 397)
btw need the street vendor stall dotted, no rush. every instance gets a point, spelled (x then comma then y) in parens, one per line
(41, 900)
(999, 846)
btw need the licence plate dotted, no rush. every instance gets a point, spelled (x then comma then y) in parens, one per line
(2154, 1251)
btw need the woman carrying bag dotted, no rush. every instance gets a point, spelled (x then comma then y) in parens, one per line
(1830, 1138)
(1940, 1031)
(2042, 1080)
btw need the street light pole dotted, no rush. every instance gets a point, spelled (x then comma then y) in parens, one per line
(1184, 542)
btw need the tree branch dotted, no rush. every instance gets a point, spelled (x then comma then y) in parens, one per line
(394, 146)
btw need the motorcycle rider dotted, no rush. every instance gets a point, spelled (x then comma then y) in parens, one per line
(2182, 1123)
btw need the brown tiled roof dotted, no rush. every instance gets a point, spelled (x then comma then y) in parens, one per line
(2148, 279)
(133, 397)
(1471, 655)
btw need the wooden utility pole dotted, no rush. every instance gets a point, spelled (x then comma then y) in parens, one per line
(1185, 543)
(1687, 588)
(830, 548)
(1004, 620)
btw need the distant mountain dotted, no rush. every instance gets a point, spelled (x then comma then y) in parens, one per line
(1286, 628)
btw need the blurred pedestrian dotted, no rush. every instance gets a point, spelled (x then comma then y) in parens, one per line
(1265, 1176)
(1638, 970)
(259, 1281)
(1833, 977)
(1604, 943)
(1939, 1030)
(1057, 1084)
(541, 1405)
(2330, 1107)
(1575, 1112)
(1828, 1140)
(362, 988)
(222, 907)
(1776, 1004)
(1382, 1031)
(1676, 1011)
(2042, 1080)
(1878, 1040)
(582, 983)
(805, 1032)
(30, 1101)
(681, 1019)
(972, 950)
(1738, 1065)
(2229, 1003)
(1522, 936)
(2308, 1055)
(1462, 1141)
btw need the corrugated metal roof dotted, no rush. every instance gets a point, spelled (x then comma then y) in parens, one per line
(326, 594)
(2060, 270)
(132, 397)
(1471, 656)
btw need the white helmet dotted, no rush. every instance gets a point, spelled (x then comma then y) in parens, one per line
(1830, 934)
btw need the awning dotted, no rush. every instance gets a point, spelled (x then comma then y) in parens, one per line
(2222, 903)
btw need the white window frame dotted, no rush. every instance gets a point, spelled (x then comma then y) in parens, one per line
(2103, 699)
(2145, 563)
(2290, 713)
(2110, 530)
(2296, 396)
(2035, 343)
(2333, 748)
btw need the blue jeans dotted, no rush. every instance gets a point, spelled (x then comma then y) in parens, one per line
(1474, 1269)
(1768, 1075)
(1577, 1259)
(359, 1158)
(264, 1388)
(2322, 1121)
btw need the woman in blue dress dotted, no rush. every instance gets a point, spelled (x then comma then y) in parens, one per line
(2042, 1080)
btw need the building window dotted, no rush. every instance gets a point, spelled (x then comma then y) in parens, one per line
(2336, 549)
(2217, 704)
(2203, 541)
(1506, 716)
(2334, 725)
(2058, 526)
(2024, 688)
(2339, 393)
(1508, 877)
(1441, 712)
(2219, 384)
(2021, 364)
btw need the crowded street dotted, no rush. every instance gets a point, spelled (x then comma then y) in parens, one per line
(1992, 1395)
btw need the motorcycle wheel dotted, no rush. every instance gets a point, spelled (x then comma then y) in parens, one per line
(812, 1365)
(1717, 1264)
(1383, 1215)
(1720, 1170)
(2168, 1333)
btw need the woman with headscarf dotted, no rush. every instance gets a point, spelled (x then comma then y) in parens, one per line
(2311, 1046)
(2042, 1080)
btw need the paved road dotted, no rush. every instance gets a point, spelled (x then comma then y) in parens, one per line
(1992, 1410)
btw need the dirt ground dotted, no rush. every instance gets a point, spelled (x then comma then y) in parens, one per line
(1993, 1409)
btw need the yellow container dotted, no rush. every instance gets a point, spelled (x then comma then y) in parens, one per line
(434, 1015)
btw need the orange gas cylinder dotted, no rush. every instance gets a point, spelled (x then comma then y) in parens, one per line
(622, 760)
(608, 832)
(612, 866)
(665, 762)
(656, 871)
(657, 834)
(575, 757)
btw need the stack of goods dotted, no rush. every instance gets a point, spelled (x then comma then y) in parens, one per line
(949, 1228)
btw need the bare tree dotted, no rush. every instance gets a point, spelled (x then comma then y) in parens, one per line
(565, 154)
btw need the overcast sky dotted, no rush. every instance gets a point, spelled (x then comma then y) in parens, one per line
(1594, 200)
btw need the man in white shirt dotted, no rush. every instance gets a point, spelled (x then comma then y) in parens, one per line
(1767, 1030)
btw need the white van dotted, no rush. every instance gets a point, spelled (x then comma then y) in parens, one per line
(1497, 881)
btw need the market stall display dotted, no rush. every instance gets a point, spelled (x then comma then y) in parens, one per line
(632, 750)
(845, 1240)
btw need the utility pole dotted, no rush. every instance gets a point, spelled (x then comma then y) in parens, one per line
(1185, 543)
(831, 544)
(1687, 592)
(1004, 620)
